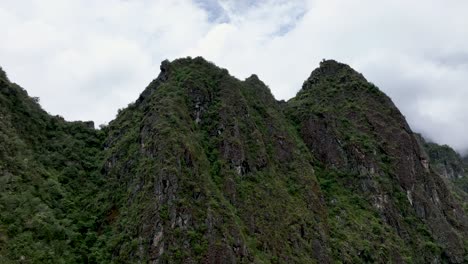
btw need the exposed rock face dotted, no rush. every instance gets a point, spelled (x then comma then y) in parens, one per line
(451, 166)
(218, 174)
(445, 161)
(205, 168)
(350, 126)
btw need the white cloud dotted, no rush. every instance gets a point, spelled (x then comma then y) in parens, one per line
(72, 53)
(87, 59)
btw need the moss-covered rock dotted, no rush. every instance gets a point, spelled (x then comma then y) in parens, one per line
(206, 168)
(213, 172)
(370, 156)
(445, 161)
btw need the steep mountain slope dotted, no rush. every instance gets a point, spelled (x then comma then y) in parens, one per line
(47, 170)
(380, 191)
(448, 163)
(205, 168)
(445, 161)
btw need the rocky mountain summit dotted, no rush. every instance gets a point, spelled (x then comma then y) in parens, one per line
(206, 168)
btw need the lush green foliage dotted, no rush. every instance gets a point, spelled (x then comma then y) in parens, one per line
(221, 173)
(49, 169)
(357, 143)
(206, 168)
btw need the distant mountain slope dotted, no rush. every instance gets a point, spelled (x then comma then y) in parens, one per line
(454, 168)
(446, 161)
(205, 168)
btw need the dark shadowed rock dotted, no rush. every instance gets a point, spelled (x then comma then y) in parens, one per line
(3, 74)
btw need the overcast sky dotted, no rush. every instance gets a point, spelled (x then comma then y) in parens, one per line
(86, 59)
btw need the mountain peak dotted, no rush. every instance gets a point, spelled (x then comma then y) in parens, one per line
(3, 74)
(206, 168)
(334, 70)
(253, 77)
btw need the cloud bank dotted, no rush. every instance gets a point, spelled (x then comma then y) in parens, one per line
(86, 59)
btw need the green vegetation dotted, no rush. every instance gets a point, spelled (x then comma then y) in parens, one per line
(205, 168)
(451, 166)
(445, 160)
(221, 183)
(49, 169)
(362, 146)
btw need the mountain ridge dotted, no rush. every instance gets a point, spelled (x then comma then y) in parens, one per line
(205, 168)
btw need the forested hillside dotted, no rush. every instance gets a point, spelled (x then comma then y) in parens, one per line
(206, 168)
